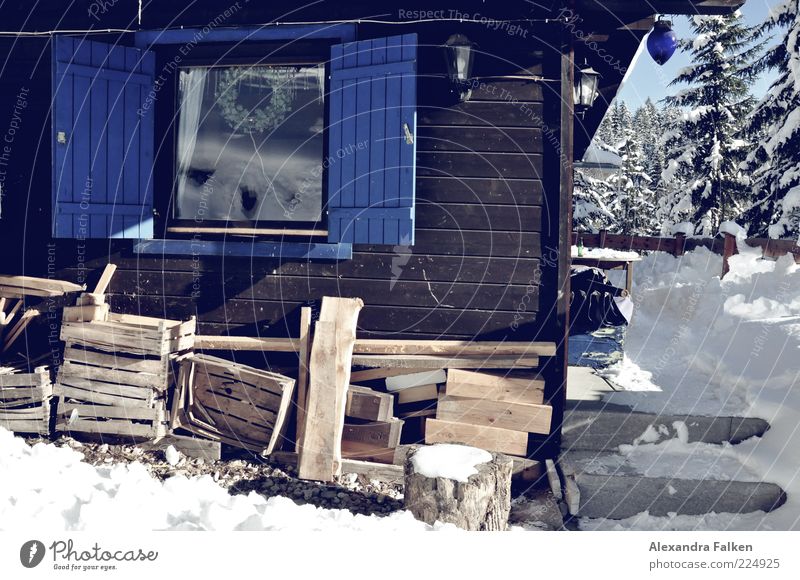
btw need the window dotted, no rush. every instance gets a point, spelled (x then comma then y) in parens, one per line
(250, 143)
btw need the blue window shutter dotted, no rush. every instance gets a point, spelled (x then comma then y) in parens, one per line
(372, 141)
(103, 140)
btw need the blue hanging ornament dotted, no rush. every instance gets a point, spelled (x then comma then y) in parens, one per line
(662, 42)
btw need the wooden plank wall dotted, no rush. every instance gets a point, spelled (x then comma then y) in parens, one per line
(474, 271)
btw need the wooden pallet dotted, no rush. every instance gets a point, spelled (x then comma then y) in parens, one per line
(25, 401)
(232, 403)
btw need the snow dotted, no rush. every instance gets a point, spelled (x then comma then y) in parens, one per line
(605, 253)
(700, 345)
(685, 228)
(53, 489)
(597, 156)
(732, 228)
(172, 455)
(455, 462)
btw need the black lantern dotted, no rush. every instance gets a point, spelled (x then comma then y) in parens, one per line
(586, 87)
(459, 55)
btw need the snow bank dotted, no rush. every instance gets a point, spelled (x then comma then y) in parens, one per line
(456, 462)
(44, 487)
(701, 345)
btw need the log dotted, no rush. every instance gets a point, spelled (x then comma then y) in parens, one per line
(461, 485)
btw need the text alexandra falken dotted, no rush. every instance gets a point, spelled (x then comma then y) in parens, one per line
(701, 547)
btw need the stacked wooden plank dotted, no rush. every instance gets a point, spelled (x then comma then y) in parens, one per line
(232, 403)
(490, 411)
(486, 394)
(25, 400)
(116, 374)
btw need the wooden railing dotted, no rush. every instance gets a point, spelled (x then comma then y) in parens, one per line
(680, 244)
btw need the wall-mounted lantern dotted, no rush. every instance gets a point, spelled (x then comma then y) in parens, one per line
(459, 54)
(662, 42)
(587, 81)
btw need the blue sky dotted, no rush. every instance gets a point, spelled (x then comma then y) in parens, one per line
(648, 79)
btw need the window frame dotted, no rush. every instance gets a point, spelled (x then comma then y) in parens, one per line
(223, 55)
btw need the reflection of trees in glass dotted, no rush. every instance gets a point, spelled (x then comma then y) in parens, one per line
(278, 80)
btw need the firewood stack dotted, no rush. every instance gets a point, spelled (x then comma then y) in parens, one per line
(483, 394)
(25, 400)
(117, 371)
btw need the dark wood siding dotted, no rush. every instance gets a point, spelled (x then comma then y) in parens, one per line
(482, 223)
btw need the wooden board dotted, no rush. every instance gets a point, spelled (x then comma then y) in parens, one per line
(513, 416)
(250, 343)
(381, 373)
(413, 379)
(383, 434)
(463, 383)
(29, 284)
(132, 334)
(427, 412)
(105, 279)
(481, 436)
(329, 368)
(384, 346)
(190, 446)
(117, 421)
(367, 452)
(444, 362)
(364, 403)
(302, 373)
(88, 313)
(453, 347)
(415, 394)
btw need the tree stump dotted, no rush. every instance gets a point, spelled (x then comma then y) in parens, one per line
(461, 485)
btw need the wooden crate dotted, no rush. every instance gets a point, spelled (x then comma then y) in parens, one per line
(117, 373)
(130, 334)
(119, 421)
(232, 403)
(25, 401)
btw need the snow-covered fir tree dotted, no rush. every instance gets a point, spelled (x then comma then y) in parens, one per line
(632, 201)
(710, 147)
(774, 163)
(648, 123)
(590, 199)
(674, 198)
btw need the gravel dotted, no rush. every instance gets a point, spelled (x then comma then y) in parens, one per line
(252, 473)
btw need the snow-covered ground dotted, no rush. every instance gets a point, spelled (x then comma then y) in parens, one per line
(705, 346)
(44, 487)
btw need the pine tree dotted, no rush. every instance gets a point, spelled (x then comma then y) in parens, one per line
(633, 201)
(716, 100)
(774, 163)
(648, 124)
(674, 199)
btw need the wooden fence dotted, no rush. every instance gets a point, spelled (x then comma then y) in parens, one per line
(724, 245)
